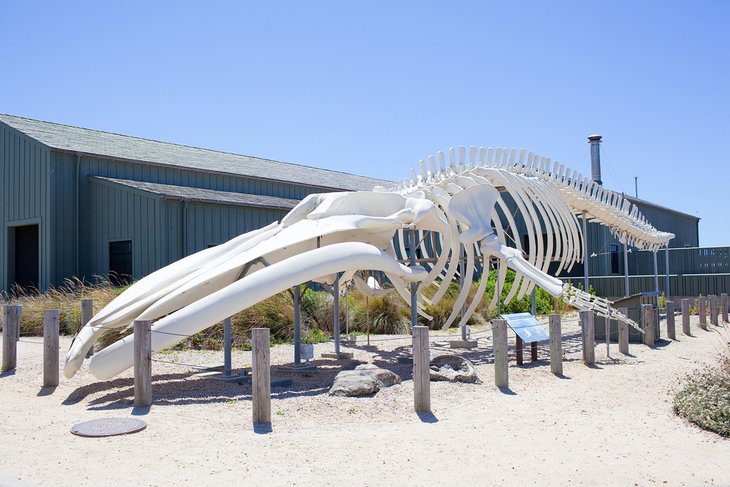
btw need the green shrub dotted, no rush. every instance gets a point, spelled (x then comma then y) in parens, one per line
(705, 398)
(315, 335)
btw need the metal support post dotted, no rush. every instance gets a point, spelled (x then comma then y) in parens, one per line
(656, 273)
(296, 295)
(414, 285)
(585, 252)
(667, 291)
(227, 344)
(336, 293)
(626, 271)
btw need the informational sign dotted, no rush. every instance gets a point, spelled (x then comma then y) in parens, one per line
(526, 327)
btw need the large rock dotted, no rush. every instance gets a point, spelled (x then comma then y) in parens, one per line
(365, 380)
(452, 368)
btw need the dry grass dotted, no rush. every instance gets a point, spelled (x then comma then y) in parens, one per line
(66, 298)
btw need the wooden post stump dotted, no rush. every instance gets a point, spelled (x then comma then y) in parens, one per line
(724, 304)
(685, 317)
(499, 336)
(421, 370)
(87, 312)
(702, 309)
(11, 334)
(623, 333)
(556, 345)
(261, 371)
(713, 309)
(142, 363)
(51, 323)
(648, 325)
(671, 329)
(588, 334)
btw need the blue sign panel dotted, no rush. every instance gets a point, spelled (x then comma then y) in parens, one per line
(526, 327)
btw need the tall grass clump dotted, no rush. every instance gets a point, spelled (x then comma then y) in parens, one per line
(66, 298)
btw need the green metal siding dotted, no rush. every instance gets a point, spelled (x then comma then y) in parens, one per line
(117, 214)
(26, 195)
(65, 206)
(207, 224)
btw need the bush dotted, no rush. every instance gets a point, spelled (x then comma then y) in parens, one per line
(544, 301)
(705, 398)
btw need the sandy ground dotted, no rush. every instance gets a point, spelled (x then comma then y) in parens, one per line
(611, 424)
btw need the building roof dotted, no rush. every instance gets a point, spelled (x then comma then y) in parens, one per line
(638, 201)
(116, 146)
(186, 193)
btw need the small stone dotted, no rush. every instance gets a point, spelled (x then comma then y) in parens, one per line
(452, 368)
(365, 380)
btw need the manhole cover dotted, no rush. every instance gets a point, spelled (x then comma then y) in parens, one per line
(108, 427)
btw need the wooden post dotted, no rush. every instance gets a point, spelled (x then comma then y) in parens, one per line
(556, 345)
(87, 312)
(533, 351)
(11, 334)
(671, 330)
(685, 317)
(702, 309)
(587, 325)
(648, 325)
(518, 350)
(51, 322)
(142, 363)
(724, 304)
(261, 371)
(499, 337)
(421, 370)
(623, 333)
(713, 309)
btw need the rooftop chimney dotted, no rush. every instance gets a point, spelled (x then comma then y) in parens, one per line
(595, 141)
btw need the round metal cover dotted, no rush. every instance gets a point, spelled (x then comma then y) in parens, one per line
(108, 427)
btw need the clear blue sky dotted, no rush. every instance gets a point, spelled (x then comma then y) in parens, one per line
(371, 87)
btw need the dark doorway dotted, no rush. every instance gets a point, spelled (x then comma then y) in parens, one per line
(120, 262)
(25, 260)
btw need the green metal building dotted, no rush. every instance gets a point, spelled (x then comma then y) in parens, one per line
(86, 203)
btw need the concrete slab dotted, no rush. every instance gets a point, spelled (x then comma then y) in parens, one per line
(341, 355)
(463, 343)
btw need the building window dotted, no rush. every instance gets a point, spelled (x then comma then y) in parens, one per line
(120, 262)
(614, 259)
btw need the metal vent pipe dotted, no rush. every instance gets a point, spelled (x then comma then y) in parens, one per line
(595, 141)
